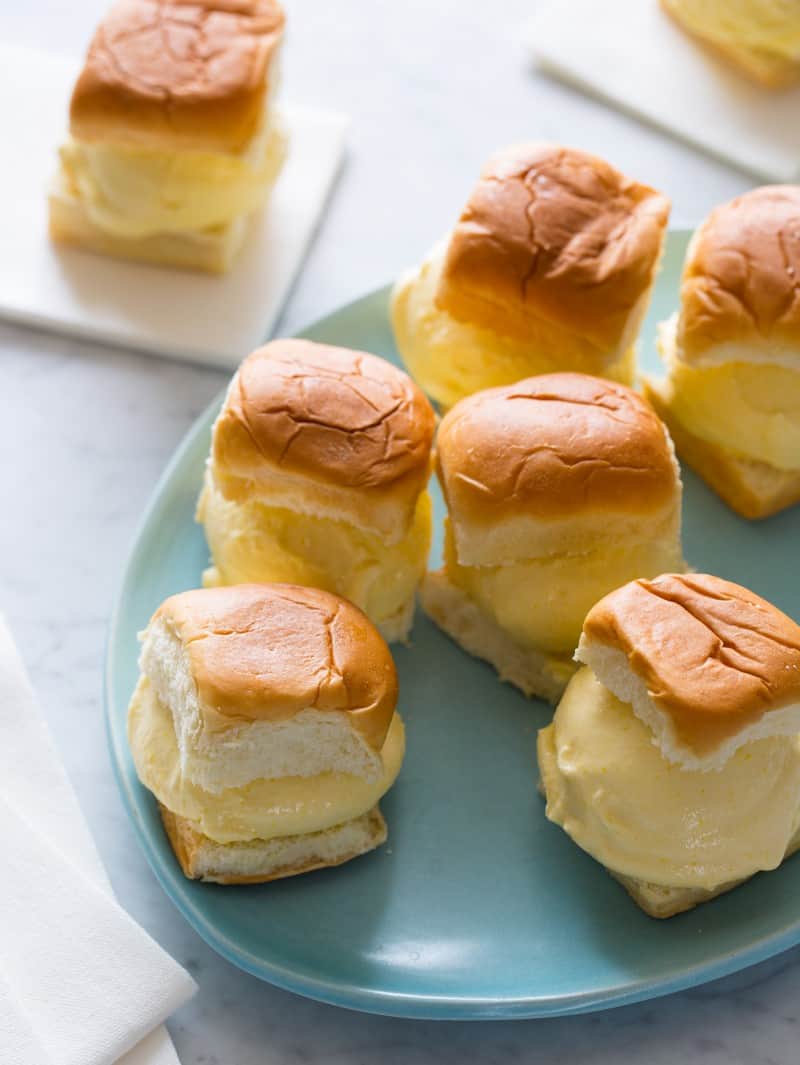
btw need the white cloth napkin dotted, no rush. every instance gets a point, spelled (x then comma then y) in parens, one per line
(80, 982)
(631, 54)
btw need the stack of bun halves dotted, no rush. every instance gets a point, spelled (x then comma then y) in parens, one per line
(265, 719)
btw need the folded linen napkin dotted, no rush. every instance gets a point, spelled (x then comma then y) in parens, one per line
(80, 982)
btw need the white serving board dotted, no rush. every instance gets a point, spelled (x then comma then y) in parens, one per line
(214, 320)
(632, 55)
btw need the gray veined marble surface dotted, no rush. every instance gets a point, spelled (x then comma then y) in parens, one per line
(433, 86)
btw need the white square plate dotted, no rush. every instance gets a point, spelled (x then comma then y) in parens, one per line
(214, 320)
(631, 54)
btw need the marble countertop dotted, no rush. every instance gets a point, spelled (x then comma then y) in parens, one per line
(432, 87)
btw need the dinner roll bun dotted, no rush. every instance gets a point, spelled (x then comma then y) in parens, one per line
(550, 267)
(326, 431)
(268, 681)
(708, 665)
(554, 463)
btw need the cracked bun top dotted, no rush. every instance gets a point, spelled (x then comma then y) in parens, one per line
(741, 280)
(709, 664)
(178, 75)
(555, 446)
(551, 233)
(346, 428)
(268, 651)
(346, 415)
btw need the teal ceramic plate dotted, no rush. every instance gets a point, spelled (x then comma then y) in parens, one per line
(477, 907)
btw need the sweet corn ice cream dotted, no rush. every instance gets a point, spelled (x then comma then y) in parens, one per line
(453, 358)
(609, 787)
(136, 192)
(262, 809)
(542, 602)
(318, 473)
(252, 541)
(769, 24)
(750, 409)
(761, 36)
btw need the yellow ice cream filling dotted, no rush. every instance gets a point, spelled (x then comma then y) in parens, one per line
(263, 809)
(542, 602)
(750, 409)
(452, 359)
(767, 25)
(252, 541)
(135, 192)
(611, 790)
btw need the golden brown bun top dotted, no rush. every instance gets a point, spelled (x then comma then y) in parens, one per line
(714, 656)
(554, 445)
(554, 233)
(267, 651)
(343, 417)
(741, 279)
(183, 74)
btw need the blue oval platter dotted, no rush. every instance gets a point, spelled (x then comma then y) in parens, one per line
(477, 907)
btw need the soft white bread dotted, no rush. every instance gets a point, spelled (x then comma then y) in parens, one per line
(328, 432)
(178, 75)
(761, 38)
(752, 488)
(707, 665)
(557, 464)
(555, 253)
(256, 861)
(534, 672)
(270, 681)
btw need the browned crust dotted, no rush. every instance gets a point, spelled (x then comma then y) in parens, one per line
(554, 445)
(753, 489)
(715, 657)
(188, 845)
(768, 70)
(181, 74)
(741, 278)
(556, 234)
(269, 651)
(343, 417)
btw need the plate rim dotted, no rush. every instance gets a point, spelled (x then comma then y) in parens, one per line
(354, 996)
